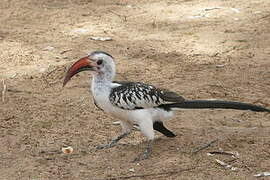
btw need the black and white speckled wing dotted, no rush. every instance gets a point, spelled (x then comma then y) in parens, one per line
(136, 95)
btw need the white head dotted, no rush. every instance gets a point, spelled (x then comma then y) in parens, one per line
(100, 63)
(105, 64)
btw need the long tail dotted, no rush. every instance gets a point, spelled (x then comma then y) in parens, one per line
(215, 104)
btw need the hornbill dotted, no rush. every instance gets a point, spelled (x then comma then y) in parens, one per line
(137, 103)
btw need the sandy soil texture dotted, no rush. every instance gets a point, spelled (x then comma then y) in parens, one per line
(201, 49)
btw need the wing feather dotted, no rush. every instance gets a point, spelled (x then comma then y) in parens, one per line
(137, 95)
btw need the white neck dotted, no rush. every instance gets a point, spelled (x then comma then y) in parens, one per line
(102, 78)
(101, 88)
(101, 82)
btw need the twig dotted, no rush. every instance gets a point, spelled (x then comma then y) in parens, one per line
(233, 154)
(46, 81)
(48, 152)
(264, 174)
(147, 175)
(44, 76)
(226, 165)
(4, 91)
(54, 69)
(8, 118)
(229, 50)
(266, 16)
(17, 91)
(205, 146)
(124, 18)
(213, 8)
(63, 52)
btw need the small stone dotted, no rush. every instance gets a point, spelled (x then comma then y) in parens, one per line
(13, 75)
(101, 38)
(67, 150)
(220, 66)
(235, 10)
(48, 48)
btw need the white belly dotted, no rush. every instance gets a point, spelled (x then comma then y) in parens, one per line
(135, 116)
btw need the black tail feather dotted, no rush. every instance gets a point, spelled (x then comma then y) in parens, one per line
(214, 104)
(158, 126)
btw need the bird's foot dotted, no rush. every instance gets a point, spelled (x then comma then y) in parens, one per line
(145, 154)
(142, 156)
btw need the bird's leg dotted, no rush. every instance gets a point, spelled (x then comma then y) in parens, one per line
(146, 153)
(113, 142)
(126, 130)
(146, 127)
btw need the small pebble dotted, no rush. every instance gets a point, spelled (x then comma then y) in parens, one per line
(101, 38)
(13, 76)
(48, 48)
(220, 66)
(257, 12)
(67, 150)
(235, 10)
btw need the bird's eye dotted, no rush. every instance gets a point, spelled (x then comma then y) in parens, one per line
(99, 62)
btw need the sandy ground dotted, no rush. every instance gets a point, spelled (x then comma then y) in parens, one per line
(201, 49)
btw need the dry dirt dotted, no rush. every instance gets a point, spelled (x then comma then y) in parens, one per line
(201, 49)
